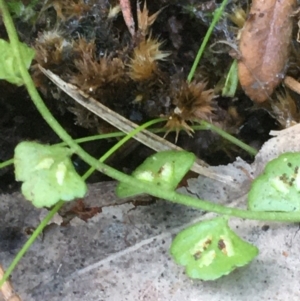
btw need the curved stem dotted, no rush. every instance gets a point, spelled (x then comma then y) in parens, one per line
(30, 241)
(55, 209)
(121, 142)
(112, 135)
(117, 175)
(208, 126)
(217, 15)
(6, 163)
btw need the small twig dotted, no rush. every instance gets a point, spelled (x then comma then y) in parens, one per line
(127, 15)
(7, 289)
(292, 84)
(147, 138)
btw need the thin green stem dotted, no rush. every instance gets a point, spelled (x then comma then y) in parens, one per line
(95, 137)
(110, 135)
(232, 139)
(131, 134)
(29, 242)
(35, 97)
(193, 202)
(115, 174)
(217, 16)
(6, 163)
(55, 209)
(123, 141)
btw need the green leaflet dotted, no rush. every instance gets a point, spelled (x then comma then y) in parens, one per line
(24, 12)
(164, 169)
(9, 67)
(48, 174)
(210, 249)
(278, 187)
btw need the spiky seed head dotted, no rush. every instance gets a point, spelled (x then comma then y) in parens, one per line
(193, 101)
(144, 20)
(143, 65)
(175, 122)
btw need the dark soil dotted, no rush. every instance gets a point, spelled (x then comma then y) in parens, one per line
(181, 26)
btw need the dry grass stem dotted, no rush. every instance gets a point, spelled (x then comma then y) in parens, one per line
(145, 137)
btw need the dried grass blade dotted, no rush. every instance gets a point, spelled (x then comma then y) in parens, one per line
(127, 15)
(145, 137)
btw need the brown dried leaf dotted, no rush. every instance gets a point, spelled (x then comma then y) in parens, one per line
(264, 47)
(127, 15)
